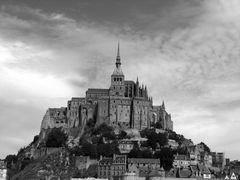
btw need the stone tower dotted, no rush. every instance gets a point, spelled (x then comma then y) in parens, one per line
(117, 78)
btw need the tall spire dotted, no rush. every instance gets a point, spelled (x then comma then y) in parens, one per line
(118, 59)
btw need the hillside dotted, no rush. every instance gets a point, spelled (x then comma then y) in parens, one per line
(95, 141)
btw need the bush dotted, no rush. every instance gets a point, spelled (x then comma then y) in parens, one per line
(166, 158)
(154, 138)
(103, 128)
(56, 138)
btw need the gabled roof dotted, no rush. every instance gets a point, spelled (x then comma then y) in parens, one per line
(215, 169)
(155, 173)
(184, 173)
(203, 169)
(143, 171)
(143, 160)
(182, 157)
(194, 168)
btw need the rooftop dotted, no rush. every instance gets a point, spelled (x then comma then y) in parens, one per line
(143, 160)
(182, 157)
(97, 90)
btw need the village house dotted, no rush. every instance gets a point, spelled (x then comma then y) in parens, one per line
(112, 168)
(181, 161)
(142, 167)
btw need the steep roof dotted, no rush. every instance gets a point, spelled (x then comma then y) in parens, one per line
(203, 169)
(118, 71)
(182, 157)
(194, 168)
(184, 173)
(143, 160)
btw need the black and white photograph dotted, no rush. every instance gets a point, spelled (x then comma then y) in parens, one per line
(119, 89)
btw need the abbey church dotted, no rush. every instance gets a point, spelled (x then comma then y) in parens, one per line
(125, 104)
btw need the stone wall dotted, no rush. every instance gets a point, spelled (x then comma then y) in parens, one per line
(141, 108)
(55, 118)
(45, 151)
(73, 111)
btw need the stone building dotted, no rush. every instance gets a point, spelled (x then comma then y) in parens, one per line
(125, 104)
(218, 159)
(181, 161)
(112, 168)
(55, 118)
(142, 167)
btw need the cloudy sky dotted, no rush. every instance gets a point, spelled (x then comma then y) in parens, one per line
(186, 51)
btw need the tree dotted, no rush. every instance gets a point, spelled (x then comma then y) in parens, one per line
(166, 158)
(56, 138)
(154, 138)
(77, 151)
(102, 128)
(137, 153)
(89, 149)
(108, 149)
(206, 148)
(177, 137)
(12, 158)
(122, 135)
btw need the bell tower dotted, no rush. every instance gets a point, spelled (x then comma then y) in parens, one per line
(117, 78)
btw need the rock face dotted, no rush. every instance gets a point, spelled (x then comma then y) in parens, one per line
(55, 118)
(57, 164)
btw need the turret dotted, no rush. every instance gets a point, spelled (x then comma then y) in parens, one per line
(137, 88)
(143, 93)
(146, 92)
(163, 105)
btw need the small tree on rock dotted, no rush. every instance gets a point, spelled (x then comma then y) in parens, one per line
(56, 138)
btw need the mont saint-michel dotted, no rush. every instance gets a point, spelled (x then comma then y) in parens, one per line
(117, 134)
(163, 103)
(125, 104)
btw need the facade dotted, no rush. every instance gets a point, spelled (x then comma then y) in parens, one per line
(55, 118)
(181, 161)
(142, 167)
(112, 168)
(125, 146)
(3, 170)
(83, 162)
(194, 155)
(218, 159)
(125, 104)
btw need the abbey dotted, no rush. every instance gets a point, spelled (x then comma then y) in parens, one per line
(125, 104)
